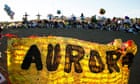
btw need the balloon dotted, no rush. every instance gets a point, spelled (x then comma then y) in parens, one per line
(102, 11)
(9, 11)
(58, 11)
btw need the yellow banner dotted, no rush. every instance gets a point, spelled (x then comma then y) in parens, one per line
(62, 60)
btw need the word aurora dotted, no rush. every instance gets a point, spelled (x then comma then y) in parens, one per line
(56, 49)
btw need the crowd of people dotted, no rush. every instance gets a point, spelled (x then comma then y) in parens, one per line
(115, 24)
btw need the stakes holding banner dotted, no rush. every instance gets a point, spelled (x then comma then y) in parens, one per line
(63, 60)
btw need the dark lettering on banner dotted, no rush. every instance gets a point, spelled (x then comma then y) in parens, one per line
(73, 55)
(128, 59)
(94, 59)
(53, 60)
(70, 58)
(112, 58)
(33, 56)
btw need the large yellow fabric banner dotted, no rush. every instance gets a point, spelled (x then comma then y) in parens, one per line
(63, 60)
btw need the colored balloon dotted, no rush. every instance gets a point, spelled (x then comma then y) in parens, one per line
(102, 11)
(9, 11)
(58, 11)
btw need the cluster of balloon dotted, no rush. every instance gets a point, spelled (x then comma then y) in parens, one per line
(102, 11)
(9, 11)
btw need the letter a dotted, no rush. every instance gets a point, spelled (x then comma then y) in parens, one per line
(33, 56)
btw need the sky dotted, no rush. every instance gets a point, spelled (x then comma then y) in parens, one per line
(117, 8)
